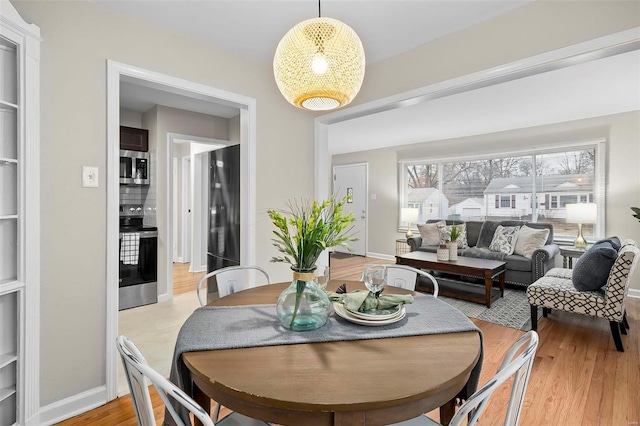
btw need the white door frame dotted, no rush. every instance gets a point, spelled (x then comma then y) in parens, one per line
(185, 204)
(174, 225)
(117, 71)
(366, 198)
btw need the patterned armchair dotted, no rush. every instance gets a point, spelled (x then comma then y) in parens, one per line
(555, 290)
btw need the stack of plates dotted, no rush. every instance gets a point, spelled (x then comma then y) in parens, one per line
(371, 318)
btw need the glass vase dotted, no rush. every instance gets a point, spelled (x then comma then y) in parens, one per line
(303, 306)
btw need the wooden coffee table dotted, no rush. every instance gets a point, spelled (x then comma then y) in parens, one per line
(467, 266)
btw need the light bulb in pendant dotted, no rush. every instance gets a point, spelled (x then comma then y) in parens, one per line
(319, 64)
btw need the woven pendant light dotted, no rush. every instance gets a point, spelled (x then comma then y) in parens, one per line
(319, 64)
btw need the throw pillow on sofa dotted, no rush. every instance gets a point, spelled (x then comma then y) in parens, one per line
(445, 232)
(430, 233)
(591, 271)
(504, 239)
(530, 240)
(614, 241)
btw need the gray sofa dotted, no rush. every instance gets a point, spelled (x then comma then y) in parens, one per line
(521, 271)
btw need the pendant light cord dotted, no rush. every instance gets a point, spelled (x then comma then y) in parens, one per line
(319, 10)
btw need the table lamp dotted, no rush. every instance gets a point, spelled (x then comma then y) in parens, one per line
(409, 215)
(581, 213)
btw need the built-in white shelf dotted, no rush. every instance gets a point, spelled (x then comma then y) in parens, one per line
(19, 216)
(7, 392)
(8, 105)
(6, 359)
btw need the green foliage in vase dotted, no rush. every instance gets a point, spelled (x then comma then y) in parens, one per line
(307, 228)
(455, 233)
(636, 210)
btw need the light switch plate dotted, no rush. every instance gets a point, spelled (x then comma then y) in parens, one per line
(89, 177)
(374, 196)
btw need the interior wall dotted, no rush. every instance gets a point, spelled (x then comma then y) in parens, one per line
(535, 28)
(622, 132)
(173, 120)
(130, 118)
(78, 39)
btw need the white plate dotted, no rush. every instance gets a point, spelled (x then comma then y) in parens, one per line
(383, 314)
(342, 312)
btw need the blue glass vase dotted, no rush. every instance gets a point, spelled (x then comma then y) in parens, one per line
(303, 306)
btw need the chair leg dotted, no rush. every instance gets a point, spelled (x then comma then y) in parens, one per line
(545, 312)
(623, 329)
(624, 321)
(615, 332)
(534, 317)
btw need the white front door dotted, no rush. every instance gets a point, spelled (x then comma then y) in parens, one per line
(351, 181)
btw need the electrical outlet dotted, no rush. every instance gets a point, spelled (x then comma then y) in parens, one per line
(89, 177)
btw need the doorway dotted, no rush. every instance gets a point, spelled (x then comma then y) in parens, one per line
(350, 181)
(202, 95)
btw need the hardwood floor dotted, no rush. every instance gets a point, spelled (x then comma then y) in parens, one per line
(183, 280)
(578, 377)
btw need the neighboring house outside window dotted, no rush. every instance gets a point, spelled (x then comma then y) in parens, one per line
(533, 187)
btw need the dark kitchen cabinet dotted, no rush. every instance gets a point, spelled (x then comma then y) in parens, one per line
(132, 139)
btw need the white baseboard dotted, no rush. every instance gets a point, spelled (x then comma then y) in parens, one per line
(164, 297)
(381, 256)
(634, 293)
(70, 407)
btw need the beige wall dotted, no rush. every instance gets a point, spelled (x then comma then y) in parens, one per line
(622, 132)
(78, 38)
(172, 120)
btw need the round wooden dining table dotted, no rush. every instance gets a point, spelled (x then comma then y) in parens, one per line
(358, 382)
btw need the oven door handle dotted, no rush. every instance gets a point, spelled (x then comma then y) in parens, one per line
(143, 234)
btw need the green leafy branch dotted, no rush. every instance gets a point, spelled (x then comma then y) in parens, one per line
(455, 233)
(307, 228)
(636, 210)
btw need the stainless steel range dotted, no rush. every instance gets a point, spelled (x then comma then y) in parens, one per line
(138, 284)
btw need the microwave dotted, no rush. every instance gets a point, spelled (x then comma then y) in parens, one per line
(134, 168)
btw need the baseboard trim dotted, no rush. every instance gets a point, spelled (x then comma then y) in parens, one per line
(381, 256)
(634, 293)
(164, 297)
(70, 407)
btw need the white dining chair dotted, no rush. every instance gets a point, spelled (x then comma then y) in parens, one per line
(138, 372)
(232, 279)
(405, 277)
(517, 362)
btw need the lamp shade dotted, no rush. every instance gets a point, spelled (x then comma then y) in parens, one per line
(581, 213)
(409, 215)
(319, 64)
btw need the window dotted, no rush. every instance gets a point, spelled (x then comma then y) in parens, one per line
(536, 187)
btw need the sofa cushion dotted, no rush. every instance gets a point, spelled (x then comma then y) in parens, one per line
(430, 233)
(486, 233)
(483, 253)
(462, 239)
(592, 268)
(473, 232)
(504, 239)
(529, 240)
(515, 262)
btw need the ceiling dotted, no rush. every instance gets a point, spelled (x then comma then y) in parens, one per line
(591, 89)
(387, 28)
(140, 98)
(254, 28)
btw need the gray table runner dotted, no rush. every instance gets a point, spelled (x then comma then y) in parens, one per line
(229, 327)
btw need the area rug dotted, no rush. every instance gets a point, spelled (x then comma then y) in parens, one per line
(510, 311)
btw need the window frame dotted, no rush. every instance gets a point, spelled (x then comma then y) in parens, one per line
(599, 189)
